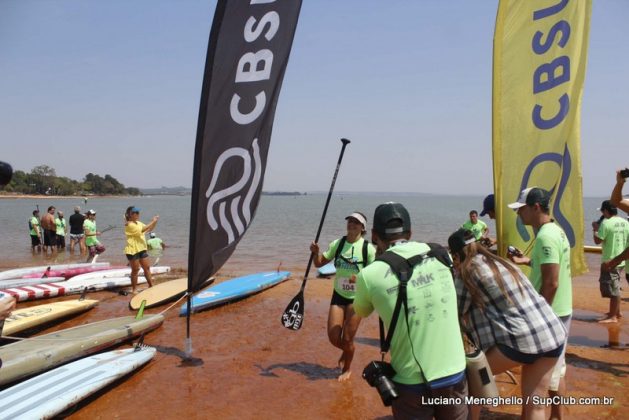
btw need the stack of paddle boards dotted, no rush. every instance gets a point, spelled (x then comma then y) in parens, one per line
(234, 289)
(76, 285)
(27, 318)
(44, 352)
(50, 393)
(59, 270)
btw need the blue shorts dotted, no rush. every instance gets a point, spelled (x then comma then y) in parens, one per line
(526, 358)
(140, 255)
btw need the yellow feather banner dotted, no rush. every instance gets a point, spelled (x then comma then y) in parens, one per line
(540, 55)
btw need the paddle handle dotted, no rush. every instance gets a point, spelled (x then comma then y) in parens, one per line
(325, 210)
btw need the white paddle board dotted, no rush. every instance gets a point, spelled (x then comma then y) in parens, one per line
(50, 393)
(119, 272)
(20, 272)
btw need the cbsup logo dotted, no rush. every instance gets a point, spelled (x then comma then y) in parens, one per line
(234, 211)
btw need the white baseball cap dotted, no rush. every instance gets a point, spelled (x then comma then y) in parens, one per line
(360, 217)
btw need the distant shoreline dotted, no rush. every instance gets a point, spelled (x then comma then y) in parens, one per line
(11, 196)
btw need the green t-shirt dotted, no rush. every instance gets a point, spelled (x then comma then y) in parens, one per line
(61, 226)
(34, 226)
(90, 227)
(552, 247)
(615, 233)
(433, 319)
(345, 270)
(154, 244)
(477, 228)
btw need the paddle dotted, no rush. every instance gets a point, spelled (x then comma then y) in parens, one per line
(108, 228)
(293, 315)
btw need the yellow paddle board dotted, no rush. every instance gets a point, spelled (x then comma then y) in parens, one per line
(27, 318)
(162, 293)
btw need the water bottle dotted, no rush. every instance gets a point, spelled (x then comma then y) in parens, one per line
(480, 380)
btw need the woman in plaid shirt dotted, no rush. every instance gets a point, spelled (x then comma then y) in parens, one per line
(510, 321)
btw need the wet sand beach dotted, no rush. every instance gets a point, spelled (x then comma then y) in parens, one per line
(247, 365)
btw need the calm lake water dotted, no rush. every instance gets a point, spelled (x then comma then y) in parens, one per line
(281, 231)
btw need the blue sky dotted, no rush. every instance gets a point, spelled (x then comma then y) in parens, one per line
(113, 87)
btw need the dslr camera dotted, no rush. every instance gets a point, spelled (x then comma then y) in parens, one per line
(378, 374)
(624, 173)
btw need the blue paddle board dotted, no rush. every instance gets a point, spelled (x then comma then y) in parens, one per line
(327, 270)
(233, 289)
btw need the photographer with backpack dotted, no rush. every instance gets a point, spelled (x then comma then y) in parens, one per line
(410, 286)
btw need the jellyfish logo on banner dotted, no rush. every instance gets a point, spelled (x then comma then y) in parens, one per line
(233, 195)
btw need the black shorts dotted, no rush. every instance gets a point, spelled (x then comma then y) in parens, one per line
(61, 241)
(140, 255)
(340, 300)
(35, 240)
(526, 358)
(50, 237)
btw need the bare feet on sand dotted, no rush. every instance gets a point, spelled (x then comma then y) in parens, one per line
(608, 320)
(345, 376)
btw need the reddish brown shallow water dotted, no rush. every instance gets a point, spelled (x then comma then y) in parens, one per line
(246, 365)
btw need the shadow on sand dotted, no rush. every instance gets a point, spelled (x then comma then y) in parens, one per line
(310, 371)
(185, 360)
(616, 369)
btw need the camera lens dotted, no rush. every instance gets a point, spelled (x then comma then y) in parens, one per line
(386, 389)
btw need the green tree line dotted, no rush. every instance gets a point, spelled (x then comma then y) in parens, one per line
(44, 180)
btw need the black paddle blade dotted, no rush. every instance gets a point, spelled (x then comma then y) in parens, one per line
(294, 313)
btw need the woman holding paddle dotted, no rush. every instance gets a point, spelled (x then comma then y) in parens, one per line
(351, 254)
(136, 249)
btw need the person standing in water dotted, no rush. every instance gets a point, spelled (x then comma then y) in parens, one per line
(136, 249)
(60, 222)
(350, 254)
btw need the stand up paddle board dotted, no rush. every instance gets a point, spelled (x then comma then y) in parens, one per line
(234, 289)
(68, 287)
(50, 393)
(162, 293)
(327, 270)
(119, 272)
(21, 272)
(27, 318)
(9, 283)
(37, 354)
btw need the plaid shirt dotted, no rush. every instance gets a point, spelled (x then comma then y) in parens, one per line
(526, 324)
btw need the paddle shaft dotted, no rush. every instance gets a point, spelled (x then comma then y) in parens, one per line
(325, 211)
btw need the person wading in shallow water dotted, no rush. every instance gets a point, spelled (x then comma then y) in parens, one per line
(350, 255)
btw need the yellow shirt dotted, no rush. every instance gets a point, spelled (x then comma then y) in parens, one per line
(135, 238)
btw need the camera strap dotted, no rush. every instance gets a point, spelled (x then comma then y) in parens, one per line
(403, 269)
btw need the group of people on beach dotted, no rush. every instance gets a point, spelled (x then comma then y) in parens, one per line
(50, 232)
(432, 305)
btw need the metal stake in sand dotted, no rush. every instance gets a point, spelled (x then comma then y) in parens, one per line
(293, 315)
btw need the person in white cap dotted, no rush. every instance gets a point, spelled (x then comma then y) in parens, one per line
(550, 272)
(350, 254)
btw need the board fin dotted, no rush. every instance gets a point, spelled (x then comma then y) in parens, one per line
(140, 313)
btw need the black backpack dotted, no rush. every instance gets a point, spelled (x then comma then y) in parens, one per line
(339, 249)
